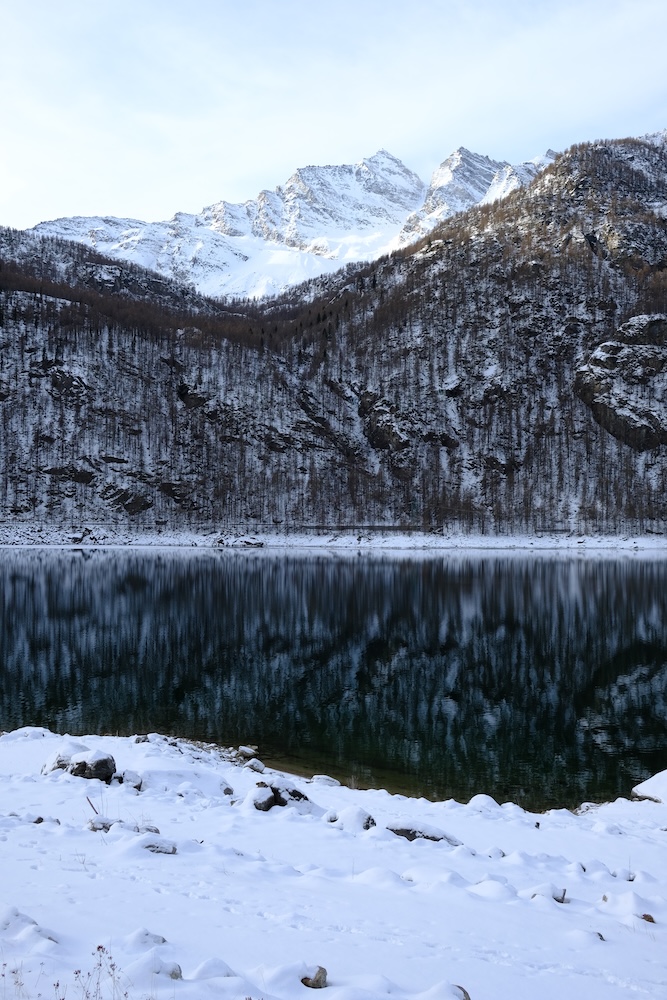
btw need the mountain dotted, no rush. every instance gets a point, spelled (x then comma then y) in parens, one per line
(506, 373)
(465, 179)
(321, 218)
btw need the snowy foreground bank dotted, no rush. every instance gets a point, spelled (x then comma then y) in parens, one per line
(374, 540)
(202, 875)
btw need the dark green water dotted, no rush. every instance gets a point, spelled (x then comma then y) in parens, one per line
(542, 680)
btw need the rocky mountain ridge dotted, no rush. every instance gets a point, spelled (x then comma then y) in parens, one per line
(321, 218)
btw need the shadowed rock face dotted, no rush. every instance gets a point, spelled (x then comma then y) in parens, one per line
(624, 381)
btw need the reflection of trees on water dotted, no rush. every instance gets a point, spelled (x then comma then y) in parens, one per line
(537, 679)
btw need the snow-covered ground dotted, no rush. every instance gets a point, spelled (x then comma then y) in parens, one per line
(373, 540)
(228, 901)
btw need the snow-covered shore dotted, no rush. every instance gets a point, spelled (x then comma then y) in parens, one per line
(364, 539)
(230, 901)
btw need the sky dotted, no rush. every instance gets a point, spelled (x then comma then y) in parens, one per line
(143, 108)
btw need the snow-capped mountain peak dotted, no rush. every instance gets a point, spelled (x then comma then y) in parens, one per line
(465, 179)
(320, 202)
(319, 219)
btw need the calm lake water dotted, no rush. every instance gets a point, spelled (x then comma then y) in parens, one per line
(542, 680)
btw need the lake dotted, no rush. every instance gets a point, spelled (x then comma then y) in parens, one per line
(537, 679)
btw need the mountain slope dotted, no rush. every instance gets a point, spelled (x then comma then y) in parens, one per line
(321, 218)
(465, 179)
(507, 373)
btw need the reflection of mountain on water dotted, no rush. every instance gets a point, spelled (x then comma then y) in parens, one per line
(628, 703)
(512, 676)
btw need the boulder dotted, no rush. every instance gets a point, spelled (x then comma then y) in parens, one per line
(60, 759)
(101, 824)
(354, 819)
(262, 797)
(157, 845)
(131, 778)
(93, 764)
(423, 832)
(254, 764)
(318, 981)
(286, 794)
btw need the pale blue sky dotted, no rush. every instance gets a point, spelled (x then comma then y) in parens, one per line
(142, 108)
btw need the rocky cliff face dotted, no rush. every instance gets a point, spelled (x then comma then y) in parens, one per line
(624, 381)
(504, 374)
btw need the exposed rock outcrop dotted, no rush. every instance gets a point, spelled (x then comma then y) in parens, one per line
(624, 381)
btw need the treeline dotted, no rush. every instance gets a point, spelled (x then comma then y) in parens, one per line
(148, 314)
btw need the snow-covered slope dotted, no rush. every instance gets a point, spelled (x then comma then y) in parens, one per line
(369, 198)
(320, 219)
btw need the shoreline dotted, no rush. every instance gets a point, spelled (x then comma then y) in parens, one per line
(367, 541)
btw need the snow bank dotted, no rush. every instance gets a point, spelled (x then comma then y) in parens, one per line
(176, 885)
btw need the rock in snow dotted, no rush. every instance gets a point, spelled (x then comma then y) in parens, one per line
(93, 764)
(318, 981)
(423, 832)
(262, 797)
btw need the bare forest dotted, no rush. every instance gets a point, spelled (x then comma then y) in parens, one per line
(506, 374)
